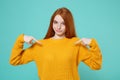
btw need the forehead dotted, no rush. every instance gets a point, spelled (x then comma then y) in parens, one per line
(58, 18)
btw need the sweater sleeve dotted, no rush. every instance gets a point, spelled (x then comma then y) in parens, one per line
(91, 56)
(19, 55)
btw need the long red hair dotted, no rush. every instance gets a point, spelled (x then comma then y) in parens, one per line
(69, 23)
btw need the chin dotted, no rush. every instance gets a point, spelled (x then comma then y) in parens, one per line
(60, 34)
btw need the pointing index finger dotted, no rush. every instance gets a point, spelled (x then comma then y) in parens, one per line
(78, 42)
(37, 41)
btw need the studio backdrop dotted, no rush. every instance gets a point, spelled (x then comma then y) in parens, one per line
(99, 19)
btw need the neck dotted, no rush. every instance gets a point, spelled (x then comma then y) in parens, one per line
(58, 37)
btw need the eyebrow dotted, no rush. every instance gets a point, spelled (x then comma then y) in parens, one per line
(57, 21)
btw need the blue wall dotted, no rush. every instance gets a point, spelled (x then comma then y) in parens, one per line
(99, 19)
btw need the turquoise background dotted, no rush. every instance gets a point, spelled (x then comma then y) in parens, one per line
(99, 19)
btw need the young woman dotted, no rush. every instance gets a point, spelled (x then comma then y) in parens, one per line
(58, 55)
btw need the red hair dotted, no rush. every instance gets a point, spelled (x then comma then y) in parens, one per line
(69, 23)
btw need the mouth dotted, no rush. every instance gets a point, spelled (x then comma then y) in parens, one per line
(58, 31)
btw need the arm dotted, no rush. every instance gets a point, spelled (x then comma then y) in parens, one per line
(20, 56)
(92, 56)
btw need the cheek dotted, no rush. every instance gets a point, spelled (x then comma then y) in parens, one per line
(64, 28)
(54, 26)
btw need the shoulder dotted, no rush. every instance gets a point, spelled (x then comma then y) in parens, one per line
(75, 38)
(72, 40)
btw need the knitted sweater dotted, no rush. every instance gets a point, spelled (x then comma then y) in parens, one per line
(57, 59)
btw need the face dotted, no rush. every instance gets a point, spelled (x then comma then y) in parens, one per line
(59, 26)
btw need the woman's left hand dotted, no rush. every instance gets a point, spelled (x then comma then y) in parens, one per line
(84, 41)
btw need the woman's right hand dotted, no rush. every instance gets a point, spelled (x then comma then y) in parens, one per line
(30, 39)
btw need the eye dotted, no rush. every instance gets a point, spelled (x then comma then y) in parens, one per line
(55, 22)
(63, 23)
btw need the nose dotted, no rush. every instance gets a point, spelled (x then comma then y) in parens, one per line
(59, 26)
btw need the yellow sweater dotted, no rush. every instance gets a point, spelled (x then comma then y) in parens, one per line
(57, 59)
